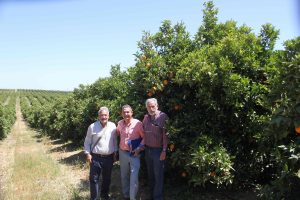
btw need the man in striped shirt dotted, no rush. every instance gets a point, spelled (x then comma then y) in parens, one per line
(156, 141)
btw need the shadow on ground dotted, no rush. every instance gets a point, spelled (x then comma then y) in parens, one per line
(75, 157)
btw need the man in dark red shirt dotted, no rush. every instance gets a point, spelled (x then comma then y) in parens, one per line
(156, 142)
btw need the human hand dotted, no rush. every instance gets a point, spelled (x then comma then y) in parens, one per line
(136, 152)
(162, 155)
(116, 156)
(89, 158)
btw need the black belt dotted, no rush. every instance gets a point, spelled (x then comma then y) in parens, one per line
(102, 155)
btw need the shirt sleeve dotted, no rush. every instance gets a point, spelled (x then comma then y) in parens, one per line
(118, 131)
(141, 133)
(88, 141)
(165, 133)
(115, 141)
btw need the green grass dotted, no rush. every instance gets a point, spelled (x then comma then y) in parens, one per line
(35, 174)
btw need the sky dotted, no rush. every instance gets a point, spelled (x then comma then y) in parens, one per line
(60, 44)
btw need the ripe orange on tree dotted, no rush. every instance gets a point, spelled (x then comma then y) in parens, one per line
(183, 174)
(153, 89)
(172, 147)
(213, 174)
(178, 107)
(297, 129)
(165, 82)
(148, 65)
(150, 94)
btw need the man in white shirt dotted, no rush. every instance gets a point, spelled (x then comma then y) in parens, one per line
(100, 147)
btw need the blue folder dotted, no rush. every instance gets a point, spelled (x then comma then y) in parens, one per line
(134, 144)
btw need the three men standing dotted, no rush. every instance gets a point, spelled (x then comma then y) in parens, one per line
(100, 147)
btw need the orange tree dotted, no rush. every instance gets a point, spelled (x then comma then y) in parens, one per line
(282, 140)
(213, 88)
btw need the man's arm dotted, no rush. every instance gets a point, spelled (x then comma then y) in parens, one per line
(88, 141)
(115, 144)
(165, 139)
(115, 141)
(87, 145)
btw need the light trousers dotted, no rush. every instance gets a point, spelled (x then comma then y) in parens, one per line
(130, 166)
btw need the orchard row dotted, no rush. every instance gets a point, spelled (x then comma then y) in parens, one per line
(7, 111)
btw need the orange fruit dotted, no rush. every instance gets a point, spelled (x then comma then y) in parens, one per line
(148, 65)
(150, 94)
(183, 174)
(178, 107)
(165, 82)
(297, 129)
(213, 174)
(172, 146)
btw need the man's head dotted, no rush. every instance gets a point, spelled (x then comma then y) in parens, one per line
(103, 115)
(127, 113)
(152, 106)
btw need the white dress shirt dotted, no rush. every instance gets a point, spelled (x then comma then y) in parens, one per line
(108, 142)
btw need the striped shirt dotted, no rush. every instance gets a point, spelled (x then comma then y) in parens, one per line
(133, 130)
(155, 130)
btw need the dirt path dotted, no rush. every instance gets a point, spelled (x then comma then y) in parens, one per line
(32, 167)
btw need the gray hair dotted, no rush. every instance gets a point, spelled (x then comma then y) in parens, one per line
(103, 108)
(151, 100)
(126, 106)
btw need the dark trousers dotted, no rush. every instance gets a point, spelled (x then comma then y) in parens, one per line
(155, 168)
(100, 165)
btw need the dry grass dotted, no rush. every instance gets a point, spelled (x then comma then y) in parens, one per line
(7, 159)
(35, 175)
(29, 172)
(73, 162)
